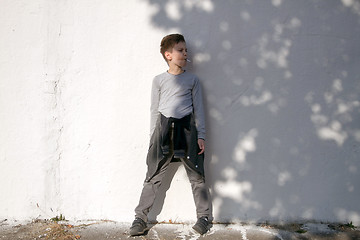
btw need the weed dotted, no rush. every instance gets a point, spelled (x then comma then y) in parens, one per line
(58, 218)
(348, 225)
(301, 231)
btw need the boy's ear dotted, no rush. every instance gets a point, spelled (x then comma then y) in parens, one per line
(168, 55)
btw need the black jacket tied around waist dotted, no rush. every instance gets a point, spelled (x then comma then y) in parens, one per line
(176, 127)
(184, 142)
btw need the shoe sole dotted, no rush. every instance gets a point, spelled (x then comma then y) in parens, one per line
(198, 230)
(139, 233)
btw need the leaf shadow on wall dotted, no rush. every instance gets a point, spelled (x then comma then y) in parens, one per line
(281, 95)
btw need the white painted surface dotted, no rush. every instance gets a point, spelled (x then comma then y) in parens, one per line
(281, 85)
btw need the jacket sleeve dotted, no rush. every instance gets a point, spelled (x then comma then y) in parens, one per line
(198, 109)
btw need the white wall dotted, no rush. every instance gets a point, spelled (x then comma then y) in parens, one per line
(281, 85)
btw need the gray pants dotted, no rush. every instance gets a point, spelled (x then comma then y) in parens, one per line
(199, 189)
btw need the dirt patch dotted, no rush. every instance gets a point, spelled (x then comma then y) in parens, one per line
(39, 229)
(291, 227)
(302, 228)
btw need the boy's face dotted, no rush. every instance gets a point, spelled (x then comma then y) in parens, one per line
(178, 55)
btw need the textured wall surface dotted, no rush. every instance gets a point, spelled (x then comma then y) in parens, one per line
(281, 81)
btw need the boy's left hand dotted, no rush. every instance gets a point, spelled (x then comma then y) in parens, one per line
(201, 143)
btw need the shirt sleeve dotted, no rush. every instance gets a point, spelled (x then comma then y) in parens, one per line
(154, 106)
(199, 109)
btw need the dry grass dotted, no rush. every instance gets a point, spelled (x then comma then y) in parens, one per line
(58, 231)
(41, 229)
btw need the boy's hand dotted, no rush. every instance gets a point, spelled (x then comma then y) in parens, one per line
(201, 143)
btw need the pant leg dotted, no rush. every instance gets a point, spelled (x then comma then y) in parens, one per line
(200, 192)
(149, 191)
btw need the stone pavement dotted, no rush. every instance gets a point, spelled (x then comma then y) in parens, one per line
(95, 230)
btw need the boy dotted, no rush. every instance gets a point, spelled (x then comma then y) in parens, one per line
(176, 104)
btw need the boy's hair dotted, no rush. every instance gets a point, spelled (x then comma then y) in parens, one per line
(168, 42)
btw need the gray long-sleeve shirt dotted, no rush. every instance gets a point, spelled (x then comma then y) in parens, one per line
(177, 96)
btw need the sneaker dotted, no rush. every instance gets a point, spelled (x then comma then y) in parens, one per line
(202, 225)
(138, 227)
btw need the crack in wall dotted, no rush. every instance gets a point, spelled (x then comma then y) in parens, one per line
(57, 56)
(56, 129)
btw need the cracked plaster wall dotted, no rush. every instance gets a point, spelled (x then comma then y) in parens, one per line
(282, 97)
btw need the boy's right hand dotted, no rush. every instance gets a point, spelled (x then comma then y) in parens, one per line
(201, 143)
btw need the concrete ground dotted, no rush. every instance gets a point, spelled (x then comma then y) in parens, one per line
(94, 230)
